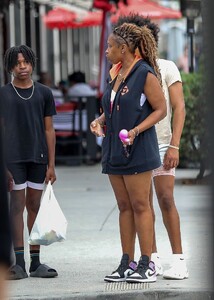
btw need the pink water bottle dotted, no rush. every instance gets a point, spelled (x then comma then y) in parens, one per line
(123, 135)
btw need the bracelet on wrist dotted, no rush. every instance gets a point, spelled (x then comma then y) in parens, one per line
(132, 130)
(137, 131)
(174, 147)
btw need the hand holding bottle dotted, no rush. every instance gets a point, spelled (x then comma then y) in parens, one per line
(123, 135)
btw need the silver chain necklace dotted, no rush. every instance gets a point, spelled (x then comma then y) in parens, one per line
(20, 95)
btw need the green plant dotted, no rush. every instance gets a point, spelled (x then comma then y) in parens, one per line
(194, 147)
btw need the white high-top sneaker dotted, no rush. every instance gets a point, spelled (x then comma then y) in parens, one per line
(178, 268)
(157, 261)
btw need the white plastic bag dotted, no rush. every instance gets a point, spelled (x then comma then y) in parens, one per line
(50, 225)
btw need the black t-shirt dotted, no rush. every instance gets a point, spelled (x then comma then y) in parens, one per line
(24, 136)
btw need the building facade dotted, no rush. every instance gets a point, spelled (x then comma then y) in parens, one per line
(62, 51)
(59, 52)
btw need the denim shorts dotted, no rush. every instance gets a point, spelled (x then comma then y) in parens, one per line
(161, 171)
(28, 174)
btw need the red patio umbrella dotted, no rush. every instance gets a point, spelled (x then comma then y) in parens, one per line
(58, 18)
(62, 18)
(91, 18)
(146, 8)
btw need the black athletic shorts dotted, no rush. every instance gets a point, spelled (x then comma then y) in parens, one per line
(28, 174)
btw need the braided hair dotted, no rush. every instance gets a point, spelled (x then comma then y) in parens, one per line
(11, 57)
(140, 38)
(139, 21)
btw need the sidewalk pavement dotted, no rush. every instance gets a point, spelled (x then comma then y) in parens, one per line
(92, 249)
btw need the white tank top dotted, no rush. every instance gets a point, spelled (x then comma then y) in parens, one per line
(113, 93)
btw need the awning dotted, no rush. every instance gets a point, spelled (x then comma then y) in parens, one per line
(76, 5)
(76, 13)
(146, 8)
(61, 18)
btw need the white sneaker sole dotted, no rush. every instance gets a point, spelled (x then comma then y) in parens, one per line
(140, 280)
(176, 276)
(115, 279)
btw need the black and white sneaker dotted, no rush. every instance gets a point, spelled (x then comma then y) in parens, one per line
(125, 269)
(143, 273)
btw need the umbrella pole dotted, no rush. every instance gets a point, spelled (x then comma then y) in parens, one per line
(104, 64)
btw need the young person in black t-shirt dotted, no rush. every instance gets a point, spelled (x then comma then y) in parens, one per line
(27, 108)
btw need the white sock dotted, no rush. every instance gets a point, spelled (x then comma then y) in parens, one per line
(178, 256)
(178, 259)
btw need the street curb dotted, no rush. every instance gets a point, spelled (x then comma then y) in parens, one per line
(134, 295)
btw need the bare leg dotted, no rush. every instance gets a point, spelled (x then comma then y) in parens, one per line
(17, 206)
(164, 186)
(135, 216)
(126, 217)
(33, 198)
(138, 187)
(3, 282)
(154, 245)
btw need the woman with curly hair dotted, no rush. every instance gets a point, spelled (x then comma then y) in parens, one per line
(169, 134)
(133, 100)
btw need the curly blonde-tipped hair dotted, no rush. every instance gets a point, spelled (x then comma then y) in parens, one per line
(141, 39)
